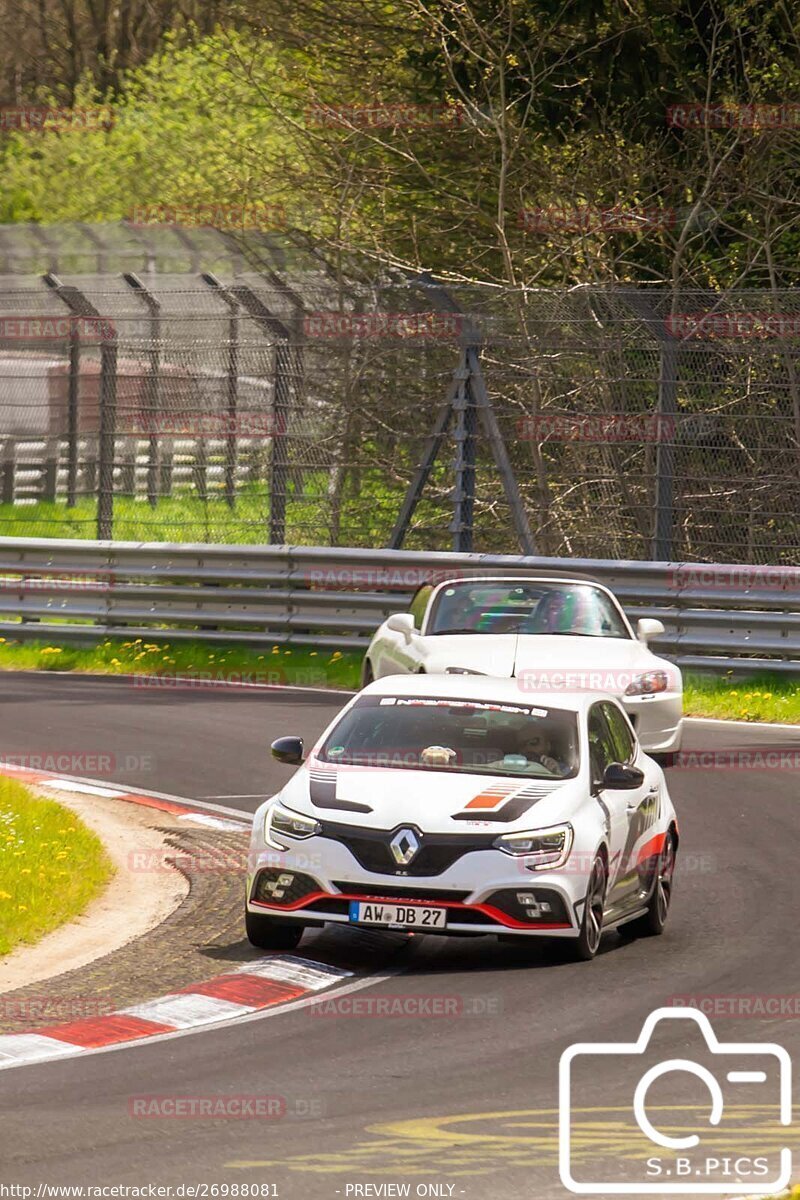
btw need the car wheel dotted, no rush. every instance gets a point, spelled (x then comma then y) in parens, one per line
(268, 933)
(654, 920)
(585, 947)
(367, 674)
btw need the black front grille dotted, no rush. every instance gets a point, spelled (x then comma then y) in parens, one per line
(390, 892)
(437, 852)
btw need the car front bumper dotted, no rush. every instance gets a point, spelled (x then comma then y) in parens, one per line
(483, 892)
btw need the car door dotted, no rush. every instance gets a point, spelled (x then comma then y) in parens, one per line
(643, 804)
(605, 747)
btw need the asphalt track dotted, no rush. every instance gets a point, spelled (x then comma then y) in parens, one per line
(467, 1102)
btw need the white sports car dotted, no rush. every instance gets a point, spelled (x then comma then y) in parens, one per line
(553, 634)
(466, 806)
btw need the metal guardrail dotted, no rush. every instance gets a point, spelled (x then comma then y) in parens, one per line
(717, 617)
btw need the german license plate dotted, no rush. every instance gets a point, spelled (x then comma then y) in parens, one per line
(404, 916)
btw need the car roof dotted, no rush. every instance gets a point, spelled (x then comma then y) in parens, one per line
(527, 577)
(481, 687)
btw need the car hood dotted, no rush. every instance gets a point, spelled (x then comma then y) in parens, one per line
(383, 798)
(488, 654)
(510, 654)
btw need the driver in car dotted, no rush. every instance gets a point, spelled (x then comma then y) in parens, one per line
(536, 746)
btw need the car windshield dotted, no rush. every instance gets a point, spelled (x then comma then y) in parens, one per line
(576, 609)
(457, 736)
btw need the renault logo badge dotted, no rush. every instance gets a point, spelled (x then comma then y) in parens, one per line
(404, 847)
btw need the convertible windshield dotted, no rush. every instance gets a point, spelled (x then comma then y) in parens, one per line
(577, 609)
(453, 735)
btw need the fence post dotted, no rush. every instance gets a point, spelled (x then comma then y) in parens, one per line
(73, 393)
(80, 306)
(108, 430)
(284, 357)
(231, 385)
(665, 451)
(279, 462)
(9, 469)
(50, 471)
(153, 387)
(464, 435)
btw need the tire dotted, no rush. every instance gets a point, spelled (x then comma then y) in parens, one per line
(585, 947)
(367, 674)
(269, 933)
(653, 922)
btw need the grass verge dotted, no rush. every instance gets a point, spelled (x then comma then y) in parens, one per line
(300, 665)
(765, 697)
(51, 865)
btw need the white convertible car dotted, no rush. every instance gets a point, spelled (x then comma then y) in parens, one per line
(552, 634)
(458, 805)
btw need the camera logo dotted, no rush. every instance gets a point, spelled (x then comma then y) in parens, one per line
(710, 1124)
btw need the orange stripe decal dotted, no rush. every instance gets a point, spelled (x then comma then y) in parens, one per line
(491, 798)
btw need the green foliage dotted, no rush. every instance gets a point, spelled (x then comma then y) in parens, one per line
(183, 133)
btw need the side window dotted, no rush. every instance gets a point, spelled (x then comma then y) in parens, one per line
(601, 746)
(420, 603)
(621, 736)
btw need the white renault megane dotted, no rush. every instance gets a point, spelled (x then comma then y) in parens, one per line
(553, 634)
(455, 804)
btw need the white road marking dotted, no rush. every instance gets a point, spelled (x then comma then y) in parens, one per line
(16, 1048)
(238, 796)
(213, 822)
(301, 971)
(184, 1011)
(88, 789)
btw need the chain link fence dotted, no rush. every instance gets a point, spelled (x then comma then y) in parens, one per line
(290, 404)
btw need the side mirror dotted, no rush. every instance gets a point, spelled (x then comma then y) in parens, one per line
(288, 750)
(619, 778)
(648, 628)
(401, 623)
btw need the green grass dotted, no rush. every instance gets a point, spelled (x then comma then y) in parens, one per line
(178, 519)
(51, 866)
(762, 697)
(298, 665)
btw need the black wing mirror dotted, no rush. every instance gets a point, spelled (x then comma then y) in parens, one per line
(288, 750)
(619, 778)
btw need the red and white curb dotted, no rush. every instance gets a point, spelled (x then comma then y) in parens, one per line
(197, 812)
(250, 989)
(269, 986)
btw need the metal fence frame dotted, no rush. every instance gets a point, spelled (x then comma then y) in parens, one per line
(335, 598)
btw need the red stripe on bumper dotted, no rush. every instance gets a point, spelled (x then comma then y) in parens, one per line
(495, 913)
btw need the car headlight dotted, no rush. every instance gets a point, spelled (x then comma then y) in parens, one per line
(647, 684)
(547, 848)
(282, 822)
